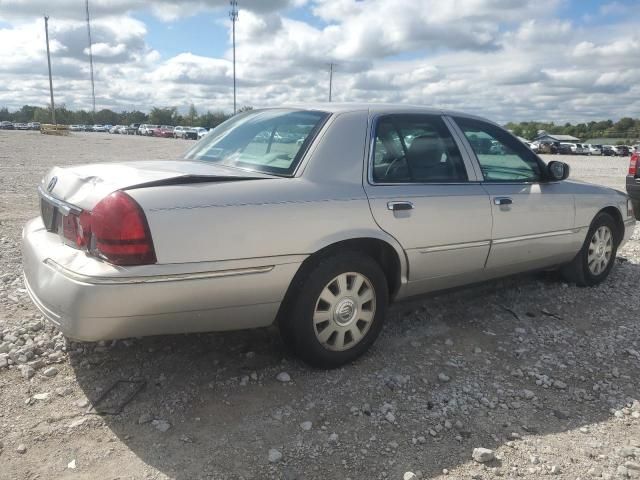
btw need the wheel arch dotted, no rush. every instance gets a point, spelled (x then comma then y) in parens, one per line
(386, 251)
(614, 212)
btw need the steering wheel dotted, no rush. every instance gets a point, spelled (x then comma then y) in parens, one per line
(393, 165)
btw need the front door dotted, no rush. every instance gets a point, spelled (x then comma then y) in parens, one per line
(425, 194)
(533, 219)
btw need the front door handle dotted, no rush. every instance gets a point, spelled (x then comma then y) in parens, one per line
(502, 201)
(397, 206)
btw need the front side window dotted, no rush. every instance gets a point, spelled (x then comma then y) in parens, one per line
(502, 158)
(416, 149)
(267, 141)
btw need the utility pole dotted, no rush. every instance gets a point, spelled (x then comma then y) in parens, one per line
(330, 79)
(233, 15)
(93, 89)
(46, 34)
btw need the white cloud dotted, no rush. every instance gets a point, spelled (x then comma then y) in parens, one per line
(616, 50)
(164, 9)
(538, 33)
(502, 59)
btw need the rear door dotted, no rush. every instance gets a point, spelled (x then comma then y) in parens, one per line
(424, 192)
(533, 219)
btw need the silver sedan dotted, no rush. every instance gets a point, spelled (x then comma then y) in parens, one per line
(314, 218)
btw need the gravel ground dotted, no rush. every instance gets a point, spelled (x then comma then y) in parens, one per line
(540, 373)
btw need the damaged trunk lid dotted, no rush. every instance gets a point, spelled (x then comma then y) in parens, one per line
(84, 186)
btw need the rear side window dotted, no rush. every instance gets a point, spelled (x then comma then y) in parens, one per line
(502, 158)
(415, 149)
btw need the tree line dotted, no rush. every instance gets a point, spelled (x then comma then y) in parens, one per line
(156, 116)
(626, 128)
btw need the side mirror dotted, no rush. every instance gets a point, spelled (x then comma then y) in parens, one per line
(557, 171)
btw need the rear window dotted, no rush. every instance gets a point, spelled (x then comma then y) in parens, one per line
(268, 141)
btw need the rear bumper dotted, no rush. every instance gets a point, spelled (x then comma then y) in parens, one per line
(89, 300)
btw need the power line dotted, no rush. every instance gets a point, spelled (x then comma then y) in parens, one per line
(93, 89)
(233, 15)
(46, 34)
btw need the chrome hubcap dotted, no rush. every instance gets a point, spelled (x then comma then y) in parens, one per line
(600, 250)
(344, 311)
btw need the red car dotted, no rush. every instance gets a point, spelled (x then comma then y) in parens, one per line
(633, 182)
(165, 131)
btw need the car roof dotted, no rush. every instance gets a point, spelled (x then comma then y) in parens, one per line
(378, 108)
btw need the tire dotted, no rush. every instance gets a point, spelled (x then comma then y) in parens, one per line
(593, 264)
(328, 334)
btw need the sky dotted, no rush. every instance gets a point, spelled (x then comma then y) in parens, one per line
(507, 60)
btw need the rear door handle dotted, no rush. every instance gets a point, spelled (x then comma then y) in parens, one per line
(397, 206)
(502, 201)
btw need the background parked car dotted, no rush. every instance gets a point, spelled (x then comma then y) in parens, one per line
(196, 133)
(607, 151)
(6, 125)
(147, 129)
(565, 149)
(593, 149)
(621, 150)
(21, 126)
(33, 125)
(548, 147)
(164, 131)
(189, 133)
(100, 128)
(200, 132)
(115, 129)
(76, 128)
(633, 183)
(132, 129)
(179, 131)
(576, 148)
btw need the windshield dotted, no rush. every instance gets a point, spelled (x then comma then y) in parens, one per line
(268, 141)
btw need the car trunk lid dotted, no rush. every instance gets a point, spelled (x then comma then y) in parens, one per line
(84, 186)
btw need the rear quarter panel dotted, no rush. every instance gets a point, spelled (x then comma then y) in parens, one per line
(249, 219)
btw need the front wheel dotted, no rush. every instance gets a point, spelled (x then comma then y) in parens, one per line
(595, 260)
(337, 311)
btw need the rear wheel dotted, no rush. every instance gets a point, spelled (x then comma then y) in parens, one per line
(595, 260)
(337, 311)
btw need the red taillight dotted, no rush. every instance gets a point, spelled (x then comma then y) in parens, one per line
(633, 164)
(120, 231)
(115, 230)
